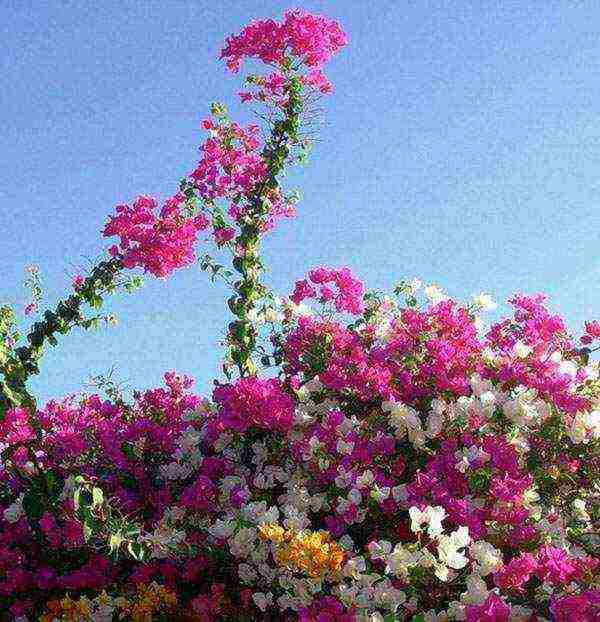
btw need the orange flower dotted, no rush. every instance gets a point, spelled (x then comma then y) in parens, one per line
(314, 553)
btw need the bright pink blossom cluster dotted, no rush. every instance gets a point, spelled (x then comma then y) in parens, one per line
(338, 286)
(15, 427)
(231, 165)
(254, 403)
(584, 607)
(494, 609)
(313, 39)
(531, 349)
(301, 38)
(232, 168)
(158, 243)
(592, 332)
(441, 339)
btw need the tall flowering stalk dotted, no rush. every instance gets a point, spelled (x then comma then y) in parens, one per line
(247, 261)
(297, 48)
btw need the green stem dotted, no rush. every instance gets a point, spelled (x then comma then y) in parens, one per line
(25, 362)
(249, 289)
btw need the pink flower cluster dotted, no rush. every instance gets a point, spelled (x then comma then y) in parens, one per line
(313, 39)
(16, 427)
(254, 403)
(494, 609)
(552, 565)
(231, 165)
(442, 340)
(544, 343)
(592, 332)
(339, 287)
(583, 607)
(158, 243)
(232, 168)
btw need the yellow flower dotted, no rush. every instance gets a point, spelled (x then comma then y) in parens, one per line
(314, 553)
(271, 532)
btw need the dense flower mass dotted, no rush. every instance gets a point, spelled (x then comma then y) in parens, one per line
(313, 39)
(231, 165)
(158, 243)
(374, 477)
(253, 402)
(329, 285)
(394, 460)
(15, 428)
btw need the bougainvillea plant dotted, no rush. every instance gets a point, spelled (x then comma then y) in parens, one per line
(363, 456)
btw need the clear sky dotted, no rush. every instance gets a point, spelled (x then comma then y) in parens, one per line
(462, 145)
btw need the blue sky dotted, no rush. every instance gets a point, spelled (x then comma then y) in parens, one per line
(462, 145)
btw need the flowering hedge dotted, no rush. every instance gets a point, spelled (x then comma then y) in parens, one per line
(364, 456)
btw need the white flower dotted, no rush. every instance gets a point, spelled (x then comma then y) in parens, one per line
(354, 567)
(379, 550)
(387, 596)
(380, 494)
(441, 572)
(449, 548)
(354, 496)
(487, 399)
(417, 518)
(477, 591)
(585, 427)
(484, 302)
(487, 556)
(434, 293)
(298, 310)
(522, 350)
(415, 285)
(480, 325)
(580, 510)
(273, 315)
(435, 517)
(592, 371)
(344, 447)
(400, 560)
(434, 424)
(569, 368)
(431, 516)
(592, 422)
(365, 479)
(14, 512)
(400, 492)
(489, 356)
(222, 528)
(262, 601)
(255, 317)
(346, 542)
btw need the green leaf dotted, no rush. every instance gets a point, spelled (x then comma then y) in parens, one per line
(87, 531)
(33, 503)
(77, 498)
(115, 541)
(137, 550)
(97, 497)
